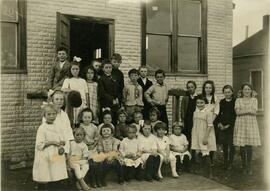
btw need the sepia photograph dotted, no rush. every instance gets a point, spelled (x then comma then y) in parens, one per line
(135, 95)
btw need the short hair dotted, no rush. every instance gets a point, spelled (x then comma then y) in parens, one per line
(177, 124)
(132, 126)
(133, 71)
(146, 122)
(79, 129)
(142, 66)
(154, 110)
(211, 82)
(201, 97)
(47, 106)
(117, 57)
(106, 112)
(121, 111)
(160, 72)
(80, 115)
(104, 126)
(61, 48)
(227, 87)
(136, 113)
(85, 70)
(105, 61)
(191, 82)
(160, 125)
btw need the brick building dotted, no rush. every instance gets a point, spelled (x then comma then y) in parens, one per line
(189, 39)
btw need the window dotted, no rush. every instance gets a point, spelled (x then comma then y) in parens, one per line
(174, 35)
(256, 80)
(13, 36)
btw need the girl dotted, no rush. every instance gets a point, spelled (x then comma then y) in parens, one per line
(203, 134)
(78, 84)
(164, 149)
(150, 156)
(108, 147)
(225, 120)
(179, 147)
(50, 162)
(154, 114)
(137, 117)
(106, 118)
(130, 151)
(78, 158)
(246, 132)
(92, 100)
(121, 128)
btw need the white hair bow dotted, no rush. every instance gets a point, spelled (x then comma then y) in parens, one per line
(77, 59)
(106, 109)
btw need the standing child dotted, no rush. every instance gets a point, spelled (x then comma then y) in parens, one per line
(50, 162)
(78, 158)
(246, 131)
(59, 71)
(226, 119)
(130, 151)
(96, 64)
(145, 83)
(164, 149)
(179, 148)
(203, 134)
(121, 128)
(149, 148)
(154, 115)
(157, 95)
(132, 94)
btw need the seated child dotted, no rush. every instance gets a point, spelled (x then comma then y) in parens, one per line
(121, 128)
(164, 149)
(154, 115)
(137, 117)
(78, 158)
(106, 119)
(150, 156)
(179, 147)
(130, 151)
(108, 154)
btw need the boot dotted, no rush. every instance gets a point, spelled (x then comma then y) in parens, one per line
(186, 163)
(83, 185)
(231, 156)
(178, 164)
(249, 159)
(244, 160)
(207, 167)
(138, 173)
(148, 171)
(173, 168)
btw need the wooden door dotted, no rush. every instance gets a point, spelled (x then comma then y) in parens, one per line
(62, 31)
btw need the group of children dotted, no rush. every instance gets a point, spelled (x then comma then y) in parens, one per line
(124, 126)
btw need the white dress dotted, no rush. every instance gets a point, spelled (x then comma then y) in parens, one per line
(48, 164)
(179, 142)
(163, 146)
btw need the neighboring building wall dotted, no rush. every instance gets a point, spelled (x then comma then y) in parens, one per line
(21, 117)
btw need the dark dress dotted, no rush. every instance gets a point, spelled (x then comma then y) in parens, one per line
(118, 77)
(121, 131)
(226, 116)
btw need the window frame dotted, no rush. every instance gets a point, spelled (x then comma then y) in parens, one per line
(21, 42)
(174, 40)
(250, 81)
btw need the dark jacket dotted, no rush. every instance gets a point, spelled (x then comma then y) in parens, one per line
(145, 86)
(118, 77)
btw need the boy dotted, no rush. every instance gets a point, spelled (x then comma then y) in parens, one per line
(96, 63)
(132, 94)
(117, 75)
(157, 95)
(145, 83)
(107, 90)
(59, 71)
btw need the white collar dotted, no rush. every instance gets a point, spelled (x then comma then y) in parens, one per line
(200, 110)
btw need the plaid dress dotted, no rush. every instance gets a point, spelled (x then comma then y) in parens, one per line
(92, 90)
(246, 131)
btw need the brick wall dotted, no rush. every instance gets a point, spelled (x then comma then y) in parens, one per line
(21, 117)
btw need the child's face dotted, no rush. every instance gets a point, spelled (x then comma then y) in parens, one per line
(58, 100)
(133, 77)
(146, 130)
(90, 74)
(87, 118)
(228, 93)
(107, 69)
(161, 132)
(247, 91)
(177, 130)
(115, 63)
(200, 103)
(138, 117)
(50, 115)
(131, 134)
(75, 70)
(153, 117)
(208, 89)
(143, 72)
(79, 136)
(106, 132)
(107, 119)
(61, 55)
(160, 78)
(122, 118)
(96, 65)
(191, 88)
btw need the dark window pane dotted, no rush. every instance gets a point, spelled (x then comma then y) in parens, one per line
(256, 77)
(188, 54)
(189, 17)
(158, 52)
(8, 45)
(158, 19)
(9, 10)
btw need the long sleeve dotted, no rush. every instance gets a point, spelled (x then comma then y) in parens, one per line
(85, 151)
(148, 94)
(183, 108)
(40, 138)
(50, 78)
(102, 93)
(65, 84)
(254, 106)
(122, 148)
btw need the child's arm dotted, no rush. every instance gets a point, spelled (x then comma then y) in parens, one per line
(125, 94)
(209, 120)
(51, 76)
(148, 94)
(102, 94)
(85, 152)
(65, 86)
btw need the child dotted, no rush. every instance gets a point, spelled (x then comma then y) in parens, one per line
(150, 157)
(203, 134)
(145, 83)
(246, 132)
(96, 64)
(226, 119)
(78, 158)
(179, 147)
(92, 100)
(50, 162)
(153, 116)
(121, 128)
(138, 117)
(108, 145)
(157, 95)
(132, 94)
(164, 149)
(77, 84)
(108, 94)
(106, 119)
(117, 75)
(59, 71)
(130, 151)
